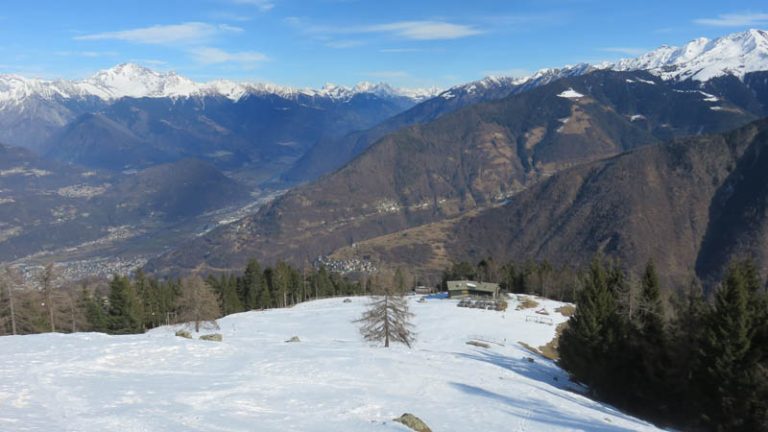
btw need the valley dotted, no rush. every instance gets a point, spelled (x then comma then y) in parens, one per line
(447, 216)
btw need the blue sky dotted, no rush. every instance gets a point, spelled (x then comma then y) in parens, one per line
(310, 42)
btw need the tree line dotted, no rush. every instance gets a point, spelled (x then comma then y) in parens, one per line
(692, 363)
(135, 304)
(529, 277)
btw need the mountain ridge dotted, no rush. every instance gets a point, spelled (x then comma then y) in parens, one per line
(135, 81)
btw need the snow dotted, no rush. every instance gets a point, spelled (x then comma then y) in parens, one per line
(709, 97)
(570, 94)
(331, 380)
(636, 117)
(131, 80)
(703, 59)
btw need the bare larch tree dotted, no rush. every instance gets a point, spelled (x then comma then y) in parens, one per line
(198, 304)
(387, 319)
(9, 280)
(47, 280)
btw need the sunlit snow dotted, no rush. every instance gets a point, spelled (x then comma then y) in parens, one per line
(330, 381)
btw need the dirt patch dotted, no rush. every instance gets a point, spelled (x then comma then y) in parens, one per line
(534, 136)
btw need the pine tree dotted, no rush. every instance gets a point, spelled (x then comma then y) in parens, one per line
(585, 341)
(650, 314)
(124, 307)
(387, 319)
(94, 311)
(724, 361)
(251, 286)
(686, 334)
(647, 345)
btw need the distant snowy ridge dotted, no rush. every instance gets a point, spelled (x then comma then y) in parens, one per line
(518, 84)
(131, 80)
(703, 59)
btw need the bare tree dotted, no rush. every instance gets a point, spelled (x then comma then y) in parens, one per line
(387, 318)
(9, 280)
(47, 280)
(198, 304)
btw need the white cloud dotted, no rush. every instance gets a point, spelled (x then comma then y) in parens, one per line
(412, 30)
(735, 20)
(185, 33)
(423, 30)
(262, 5)
(208, 56)
(624, 50)
(343, 44)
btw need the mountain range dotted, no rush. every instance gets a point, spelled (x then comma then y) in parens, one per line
(387, 170)
(130, 116)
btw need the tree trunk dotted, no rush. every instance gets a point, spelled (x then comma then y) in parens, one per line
(72, 308)
(49, 303)
(13, 309)
(386, 321)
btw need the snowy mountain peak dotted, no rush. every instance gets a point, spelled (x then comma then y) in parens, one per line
(132, 80)
(703, 59)
(136, 81)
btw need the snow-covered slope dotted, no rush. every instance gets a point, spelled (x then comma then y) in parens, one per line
(330, 381)
(501, 86)
(131, 80)
(703, 59)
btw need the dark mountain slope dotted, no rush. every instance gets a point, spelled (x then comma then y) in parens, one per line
(465, 160)
(331, 153)
(749, 94)
(175, 191)
(691, 205)
(140, 132)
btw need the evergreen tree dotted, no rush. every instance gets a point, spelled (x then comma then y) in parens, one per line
(726, 364)
(251, 286)
(648, 344)
(94, 309)
(124, 307)
(584, 342)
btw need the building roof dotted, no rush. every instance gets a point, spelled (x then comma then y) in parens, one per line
(472, 285)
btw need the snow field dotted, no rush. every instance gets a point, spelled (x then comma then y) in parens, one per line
(330, 381)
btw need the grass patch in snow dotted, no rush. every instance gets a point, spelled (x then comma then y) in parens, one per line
(549, 350)
(478, 344)
(526, 303)
(566, 310)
